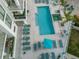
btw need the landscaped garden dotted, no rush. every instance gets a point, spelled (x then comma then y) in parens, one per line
(68, 9)
(9, 46)
(76, 21)
(73, 47)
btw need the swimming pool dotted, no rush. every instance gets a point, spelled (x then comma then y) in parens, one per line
(44, 20)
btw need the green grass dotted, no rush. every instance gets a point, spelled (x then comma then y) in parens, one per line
(62, 2)
(73, 47)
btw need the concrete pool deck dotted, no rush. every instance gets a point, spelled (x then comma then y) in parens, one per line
(34, 32)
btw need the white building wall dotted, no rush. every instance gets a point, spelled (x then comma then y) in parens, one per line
(4, 28)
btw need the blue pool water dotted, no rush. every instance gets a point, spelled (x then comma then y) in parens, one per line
(44, 20)
(48, 43)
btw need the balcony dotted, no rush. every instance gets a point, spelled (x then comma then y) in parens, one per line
(2, 39)
(15, 5)
(6, 19)
(9, 48)
(2, 13)
(18, 15)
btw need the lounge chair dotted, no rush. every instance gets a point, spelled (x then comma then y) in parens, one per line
(43, 1)
(47, 56)
(54, 44)
(47, 1)
(35, 46)
(26, 48)
(39, 45)
(26, 32)
(36, 1)
(26, 38)
(26, 43)
(42, 44)
(39, 1)
(27, 25)
(60, 43)
(42, 56)
(26, 29)
(53, 55)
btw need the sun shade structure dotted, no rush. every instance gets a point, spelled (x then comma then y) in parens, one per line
(48, 43)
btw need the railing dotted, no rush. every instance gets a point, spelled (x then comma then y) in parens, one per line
(1, 16)
(67, 38)
(20, 16)
(6, 8)
(2, 13)
(8, 21)
(5, 14)
(2, 39)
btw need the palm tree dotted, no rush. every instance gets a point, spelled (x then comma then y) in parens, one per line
(77, 20)
(62, 2)
(69, 17)
(67, 12)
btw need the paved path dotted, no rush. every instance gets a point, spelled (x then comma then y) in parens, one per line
(18, 47)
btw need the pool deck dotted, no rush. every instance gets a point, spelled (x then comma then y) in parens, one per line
(34, 32)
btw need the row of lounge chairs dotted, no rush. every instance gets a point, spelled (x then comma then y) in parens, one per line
(37, 46)
(47, 56)
(40, 45)
(26, 38)
(41, 1)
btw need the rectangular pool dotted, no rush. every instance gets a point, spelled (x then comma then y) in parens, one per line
(44, 21)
